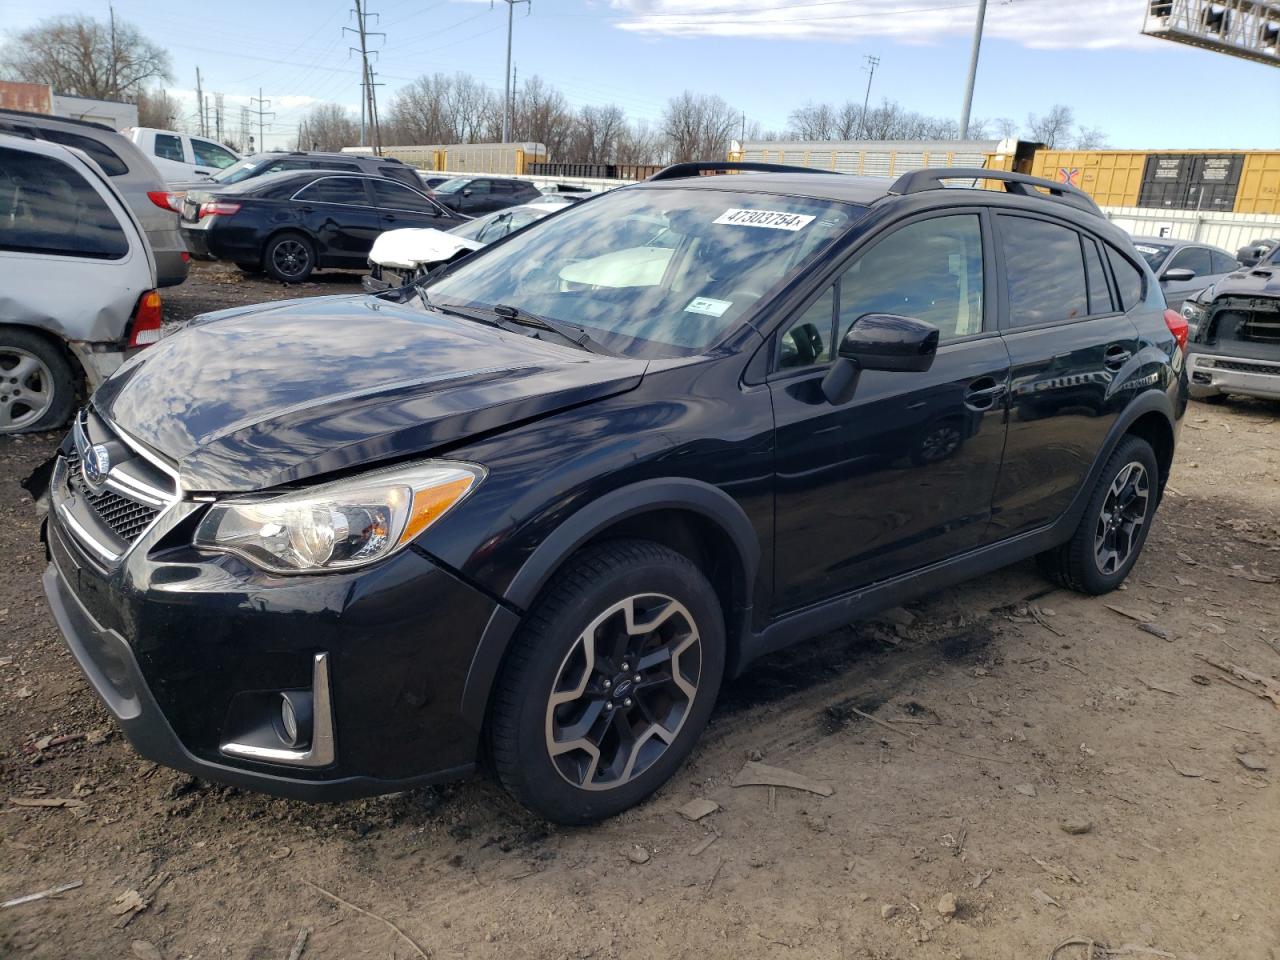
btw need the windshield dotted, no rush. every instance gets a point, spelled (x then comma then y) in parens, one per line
(237, 171)
(1153, 253)
(651, 272)
(498, 224)
(452, 186)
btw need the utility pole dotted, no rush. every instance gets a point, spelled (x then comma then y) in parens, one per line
(217, 115)
(262, 114)
(115, 55)
(368, 105)
(200, 101)
(507, 111)
(872, 63)
(973, 71)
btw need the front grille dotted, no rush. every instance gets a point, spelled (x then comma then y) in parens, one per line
(1261, 327)
(127, 518)
(1237, 366)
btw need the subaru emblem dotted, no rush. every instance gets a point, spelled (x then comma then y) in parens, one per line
(97, 463)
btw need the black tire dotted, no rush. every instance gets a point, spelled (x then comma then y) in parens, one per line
(1078, 564)
(548, 654)
(37, 383)
(289, 258)
(250, 267)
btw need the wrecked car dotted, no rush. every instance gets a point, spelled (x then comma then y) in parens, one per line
(1234, 344)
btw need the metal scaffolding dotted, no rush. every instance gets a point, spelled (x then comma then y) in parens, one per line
(1249, 29)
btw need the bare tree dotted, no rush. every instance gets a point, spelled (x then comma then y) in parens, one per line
(543, 115)
(698, 126)
(80, 56)
(1091, 138)
(641, 143)
(328, 127)
(595, 134)
(1006, 126)
(814, 121)
(1054, 128)
(157, 109)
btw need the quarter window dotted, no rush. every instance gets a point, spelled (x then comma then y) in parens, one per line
(110, 162)
(169, 147)
(1130, 281)
(1099, 295)
(211, 155)
(349, 190)
(808, 340)
(1222, 262)
(1045, 270)
(48, 207)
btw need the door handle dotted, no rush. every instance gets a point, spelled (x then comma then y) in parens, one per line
(390, 218)
(983, 393)
(1116, 357)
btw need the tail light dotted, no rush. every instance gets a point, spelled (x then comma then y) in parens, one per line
(144, 329)
(166, 201)
(1178, 326)
(218, 208)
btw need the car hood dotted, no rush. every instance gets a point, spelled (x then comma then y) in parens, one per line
(1255, 282)
(407, 248)
(249, 399)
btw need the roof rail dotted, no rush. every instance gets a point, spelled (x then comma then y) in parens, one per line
(696, 168)
(918, 181)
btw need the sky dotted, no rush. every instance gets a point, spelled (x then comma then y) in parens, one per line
(765, 57)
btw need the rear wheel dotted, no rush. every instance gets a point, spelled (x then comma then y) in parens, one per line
(37, 383)
(609, 683)
(289, 258)
(1109, 539)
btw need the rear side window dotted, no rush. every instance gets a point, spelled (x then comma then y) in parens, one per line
(1129, 279)
(211, 155)
(169, 147)
(1045, 272)
(48, 207)
(478, 186)
(1222, 262)
(1099, 295)
(396, 172)
(103, 155)
(349, 190)
(398, 197)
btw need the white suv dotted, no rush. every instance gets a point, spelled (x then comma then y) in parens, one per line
(78, 281)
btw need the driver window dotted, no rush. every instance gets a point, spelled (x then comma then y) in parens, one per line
(930, 270)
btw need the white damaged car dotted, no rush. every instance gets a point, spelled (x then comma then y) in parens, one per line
(399, 257)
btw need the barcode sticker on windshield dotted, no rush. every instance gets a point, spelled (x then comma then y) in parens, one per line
(708, 307)
(772, 219)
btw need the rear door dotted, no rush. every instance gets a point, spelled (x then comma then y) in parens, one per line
(903, 474)
(1071, 346)
(398, 206)
(339, 214)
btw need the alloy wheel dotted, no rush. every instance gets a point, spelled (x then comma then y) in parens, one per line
(940, 443)
(623, 691)
(26, 389)
(291, 257)
(1124, 511)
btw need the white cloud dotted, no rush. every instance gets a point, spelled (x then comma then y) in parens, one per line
(1088, 24)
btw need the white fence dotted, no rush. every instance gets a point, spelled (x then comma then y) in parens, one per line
(1230, 231)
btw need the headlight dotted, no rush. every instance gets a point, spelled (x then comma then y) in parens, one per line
(335, 526)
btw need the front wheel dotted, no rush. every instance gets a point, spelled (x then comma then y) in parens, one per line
(1109, 539)
(289, 258)
(609, 683)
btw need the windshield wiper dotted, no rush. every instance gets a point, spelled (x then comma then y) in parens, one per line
(566, 331)
(479, 316)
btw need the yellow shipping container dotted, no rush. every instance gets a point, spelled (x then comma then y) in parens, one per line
(1259, 184)
(1111, 177)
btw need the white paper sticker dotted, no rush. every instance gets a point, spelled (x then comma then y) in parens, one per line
(708, 307)
(1147, 250)
(772, 219)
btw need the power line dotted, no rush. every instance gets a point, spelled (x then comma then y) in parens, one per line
(368, 98)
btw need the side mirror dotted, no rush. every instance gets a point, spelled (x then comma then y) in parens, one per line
(880, 341)
(1178, 275)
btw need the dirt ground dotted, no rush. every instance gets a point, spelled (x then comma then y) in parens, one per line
(1012, 768)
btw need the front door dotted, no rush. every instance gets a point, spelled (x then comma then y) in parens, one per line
(901, 475)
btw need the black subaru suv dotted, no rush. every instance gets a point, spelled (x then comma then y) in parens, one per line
(536, 508)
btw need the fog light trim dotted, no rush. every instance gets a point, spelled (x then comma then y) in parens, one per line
(321, 752)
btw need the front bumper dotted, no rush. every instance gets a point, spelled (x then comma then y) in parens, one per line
(173, 640)
(1214, 374)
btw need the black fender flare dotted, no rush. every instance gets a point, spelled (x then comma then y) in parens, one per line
(674, 493)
